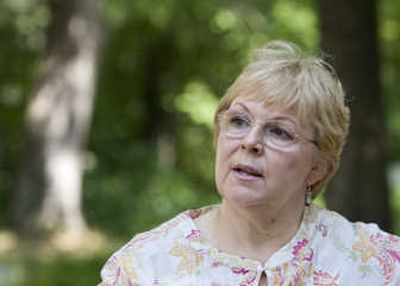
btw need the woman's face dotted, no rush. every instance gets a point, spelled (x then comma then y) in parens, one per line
(264, 155)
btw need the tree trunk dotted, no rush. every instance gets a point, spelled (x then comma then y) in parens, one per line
(160, 124)
(48, 196)
(349, 35)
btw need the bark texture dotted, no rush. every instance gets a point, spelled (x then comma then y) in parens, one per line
(48, 196)
(349, 36)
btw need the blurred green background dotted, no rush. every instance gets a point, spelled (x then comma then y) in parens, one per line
(184, 54)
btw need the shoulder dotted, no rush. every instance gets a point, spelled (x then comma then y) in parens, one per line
(147, 251)
(363, 246)
(158, 237)
(354, 231)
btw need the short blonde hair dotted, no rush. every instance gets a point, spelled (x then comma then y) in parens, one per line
(281, 74)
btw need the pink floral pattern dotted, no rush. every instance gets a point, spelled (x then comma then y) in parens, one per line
(327, 250)
(321, 278)
(383, 248)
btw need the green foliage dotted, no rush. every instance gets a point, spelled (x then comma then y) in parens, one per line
(389, 31)
(198, 103)
(395, 204)
(22, 26)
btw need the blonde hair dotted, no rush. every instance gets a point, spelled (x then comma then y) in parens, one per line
(281, 74)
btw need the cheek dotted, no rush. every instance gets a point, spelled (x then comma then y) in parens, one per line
(224, 151)
(220, 157)
(225, 148)
(297, 167)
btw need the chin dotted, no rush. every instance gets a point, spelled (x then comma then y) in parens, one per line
(244, 197)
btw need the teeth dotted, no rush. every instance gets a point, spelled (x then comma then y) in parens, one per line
(247, 173)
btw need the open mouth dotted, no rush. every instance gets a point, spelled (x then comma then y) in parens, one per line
(246, 171)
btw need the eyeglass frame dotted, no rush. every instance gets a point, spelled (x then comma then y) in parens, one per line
(296, 137)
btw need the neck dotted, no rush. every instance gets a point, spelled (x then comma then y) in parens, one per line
(255, 232)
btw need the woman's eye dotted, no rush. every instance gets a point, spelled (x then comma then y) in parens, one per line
(280, 133)
(238, 122)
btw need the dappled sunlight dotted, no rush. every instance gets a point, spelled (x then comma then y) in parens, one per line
(23, 262)
(21, 259)
(11, 95)
(38, 110)
(170, 192)
(79, 243)
(224, 20)
(391, 30)
(31, 17)
(198, 102)
(64, 167)
(71, 243)
(8, 242)
(299, 19)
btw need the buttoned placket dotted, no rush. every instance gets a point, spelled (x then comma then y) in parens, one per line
(267, 271)
(260, 271)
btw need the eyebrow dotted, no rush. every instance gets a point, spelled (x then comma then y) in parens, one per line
(243, 106)
(278, 117)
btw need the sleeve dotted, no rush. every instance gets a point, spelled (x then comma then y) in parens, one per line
(119, 270)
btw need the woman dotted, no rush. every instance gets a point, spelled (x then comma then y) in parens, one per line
(279, 133)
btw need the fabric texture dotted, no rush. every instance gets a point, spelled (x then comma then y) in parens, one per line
(326, 250)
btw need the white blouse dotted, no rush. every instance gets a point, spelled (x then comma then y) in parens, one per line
(326, 250)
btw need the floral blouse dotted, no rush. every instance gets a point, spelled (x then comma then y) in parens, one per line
(326, 250)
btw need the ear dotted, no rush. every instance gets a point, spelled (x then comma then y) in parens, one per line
(322, 168)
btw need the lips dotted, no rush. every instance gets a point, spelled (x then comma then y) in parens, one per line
(246, 171)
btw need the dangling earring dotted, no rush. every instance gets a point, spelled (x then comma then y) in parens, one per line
(308, 199)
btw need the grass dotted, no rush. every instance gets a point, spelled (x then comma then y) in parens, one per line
(50, 263)
(60, 270)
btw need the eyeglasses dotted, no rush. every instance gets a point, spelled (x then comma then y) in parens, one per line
(278, 134)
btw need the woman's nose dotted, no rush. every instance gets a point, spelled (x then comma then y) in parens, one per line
(252, 141)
